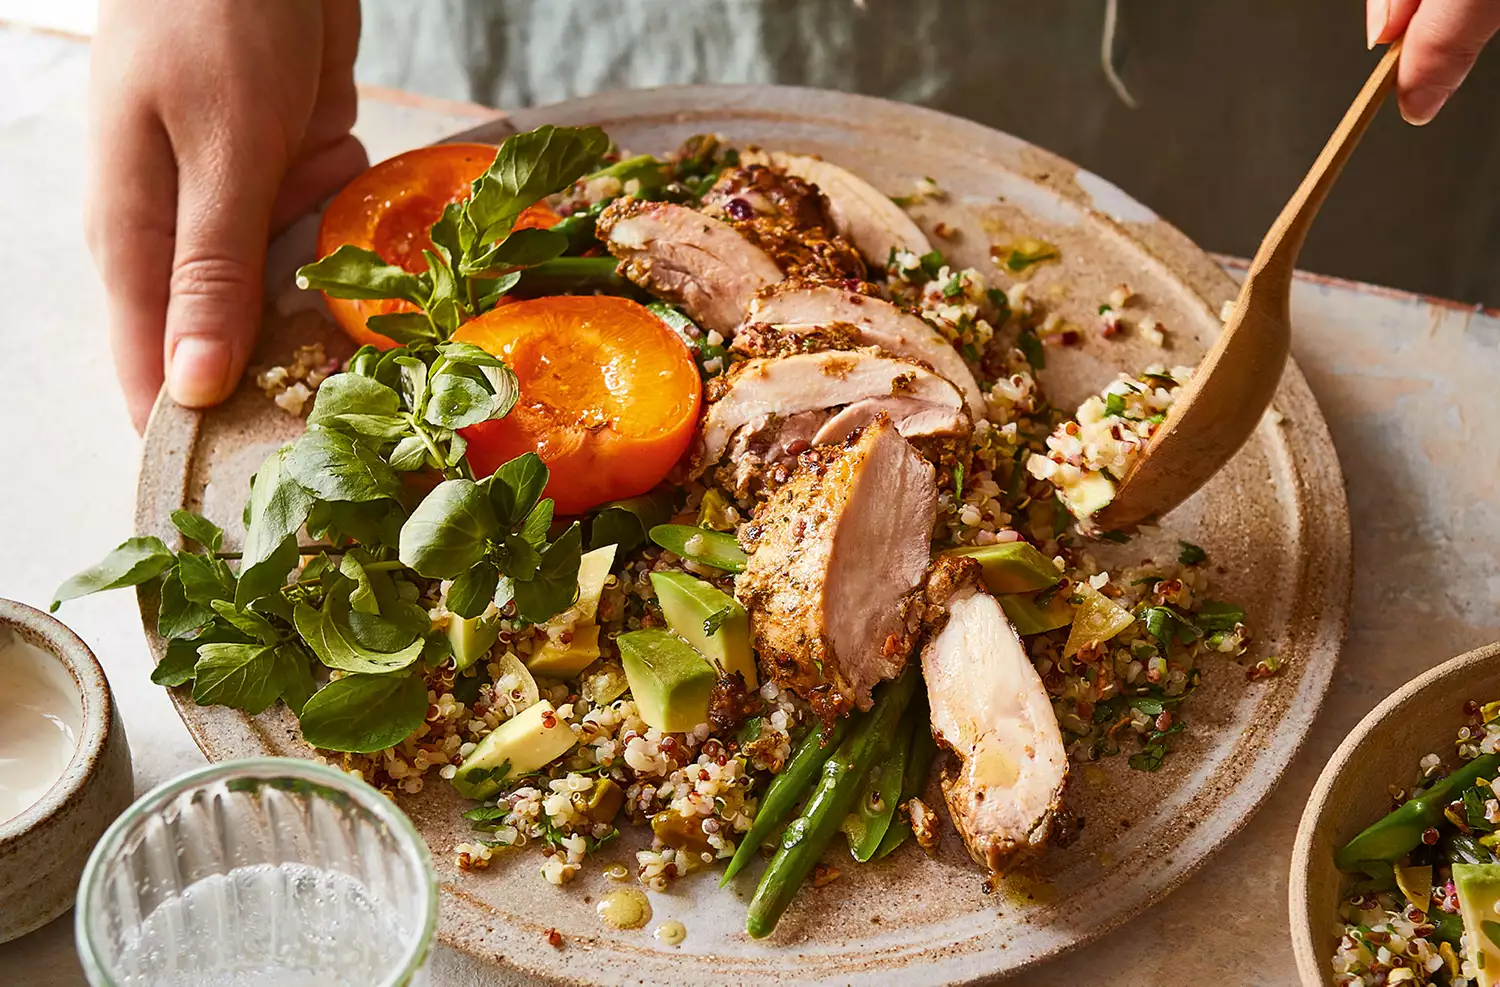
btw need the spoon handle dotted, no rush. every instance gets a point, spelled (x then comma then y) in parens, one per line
(1278, 251)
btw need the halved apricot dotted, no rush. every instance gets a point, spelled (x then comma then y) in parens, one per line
(390, 208)
(609, 395)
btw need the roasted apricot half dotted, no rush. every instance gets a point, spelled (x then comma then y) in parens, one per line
(390, 208)
(609, 395)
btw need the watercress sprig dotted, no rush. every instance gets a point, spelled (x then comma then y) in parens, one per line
(477, 253)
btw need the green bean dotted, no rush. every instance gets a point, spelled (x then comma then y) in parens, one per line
(1401, 830)
(867, 825)
(918, 763)
(703, 545)
(842, 779)
(788, 788)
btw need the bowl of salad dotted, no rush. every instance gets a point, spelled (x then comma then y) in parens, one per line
(1396, 872)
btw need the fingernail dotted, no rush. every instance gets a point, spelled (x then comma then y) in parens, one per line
(1377, 12)
(1420, 106)
(198, 374)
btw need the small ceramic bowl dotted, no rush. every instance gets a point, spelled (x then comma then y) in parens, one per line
(43, 850)
(1422, 717)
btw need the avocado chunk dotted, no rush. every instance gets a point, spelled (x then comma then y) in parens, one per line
(471, 638)
(710, 620)
(1030, 617)
(1012, 567)
(560, 660)
(563, 661)
(1478, 887)
(520, 745)
(670, 681)
(1089, 495)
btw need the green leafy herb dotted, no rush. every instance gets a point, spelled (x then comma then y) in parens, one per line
(555, 584)
(625, 522)
(198, 528)
(364, 713)
(715, 620)
(1190, 554)
(472, 591)
(449, 531)
(932, 263)
(1029, 254)
(1167, 625)
(1155, 750)
(237, 675)
(333, 466)
(134, 561)
(329, 634)
(1213, 615)
(1114, 404)
(1030, 346)
(478, 253)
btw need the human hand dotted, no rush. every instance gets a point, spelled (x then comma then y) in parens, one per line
(1443, 38)
(215, 123)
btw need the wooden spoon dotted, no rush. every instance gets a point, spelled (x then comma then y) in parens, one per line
(1231, 389)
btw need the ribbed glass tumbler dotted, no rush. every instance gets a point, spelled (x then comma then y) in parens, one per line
(271, 871)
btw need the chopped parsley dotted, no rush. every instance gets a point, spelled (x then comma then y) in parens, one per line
(1190, 554)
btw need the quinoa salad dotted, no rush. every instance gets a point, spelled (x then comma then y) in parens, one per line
(1423, 907)
(701, 494)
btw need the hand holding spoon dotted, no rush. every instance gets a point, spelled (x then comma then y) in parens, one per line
(1231, 389)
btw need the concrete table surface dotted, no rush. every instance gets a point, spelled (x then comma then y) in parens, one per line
(1408, 386)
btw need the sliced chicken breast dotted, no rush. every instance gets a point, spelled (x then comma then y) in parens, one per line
(1005, 782)
(686, 257)
(868, 218)
(836, 556)
(787, 218)
(790, 385)
(878, 322)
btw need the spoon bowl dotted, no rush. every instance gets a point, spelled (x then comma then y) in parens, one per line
(1232, 387)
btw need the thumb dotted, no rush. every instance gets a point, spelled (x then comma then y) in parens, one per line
(1442, 42)
(213, 315)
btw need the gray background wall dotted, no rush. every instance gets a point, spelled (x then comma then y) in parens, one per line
(1236, 97)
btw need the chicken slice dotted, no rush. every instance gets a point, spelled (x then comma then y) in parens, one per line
(878, 322)
(688, 258)
(788, 219)
(765, 451)
(989, 707)
(836, 557)
(868, 218)
(789, 385)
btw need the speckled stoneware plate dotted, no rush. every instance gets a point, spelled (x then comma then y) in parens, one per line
(1275, 523)
(1420, 718)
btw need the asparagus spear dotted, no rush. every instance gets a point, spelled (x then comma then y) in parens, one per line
(843, 777)
(918, 763)
(867, 825)
(1401, 830)
(787, 789)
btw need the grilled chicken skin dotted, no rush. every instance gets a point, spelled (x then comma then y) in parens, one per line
(788, 219)
(1005, 782)
(859, 211)
(837, 556)
(688, 258)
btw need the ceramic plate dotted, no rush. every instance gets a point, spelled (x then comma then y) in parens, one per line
(1274, 522)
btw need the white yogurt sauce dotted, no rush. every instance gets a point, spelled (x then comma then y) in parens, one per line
(41, 717)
